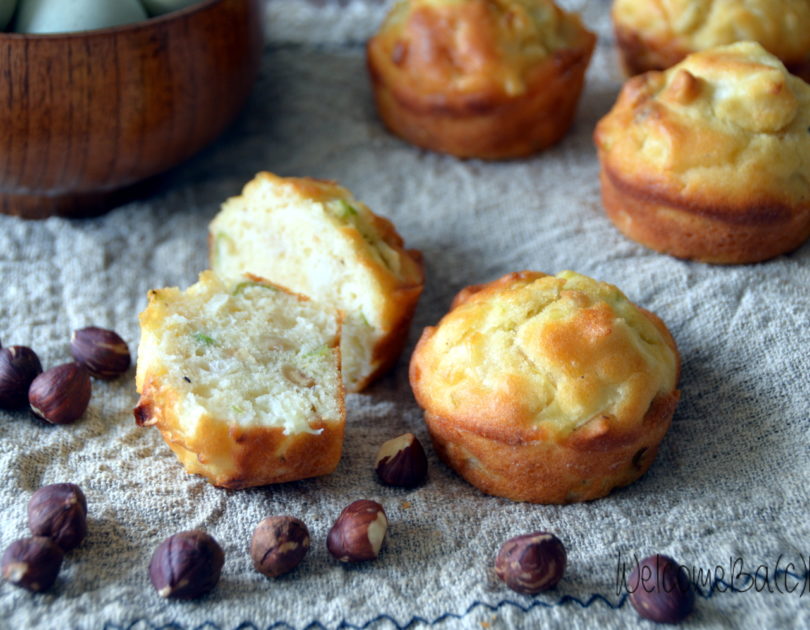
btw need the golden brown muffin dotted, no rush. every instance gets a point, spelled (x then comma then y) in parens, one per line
(710, 160)
(657, 34)
(549, 389)
(243, 380)
(490, 79)
(314, 237)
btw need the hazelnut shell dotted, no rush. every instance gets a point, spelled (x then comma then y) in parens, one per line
(59, 512)
(32, 563)
(358, 532)
(19, 366)
(531, 563)
(102, 352)
(402, 462)
(61, 395)
(186, 565)
(279, 544)
(660, 590)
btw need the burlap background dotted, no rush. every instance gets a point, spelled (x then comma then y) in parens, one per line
(729, 487)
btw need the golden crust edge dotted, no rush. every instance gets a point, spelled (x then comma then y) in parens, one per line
(232, 457)
(698, 231)
(548, 472)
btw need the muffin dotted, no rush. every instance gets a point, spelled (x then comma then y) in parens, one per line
(549, 389)
(242, 378)
(710, 160)
(479, 78)
(314, 237)
(654, 35)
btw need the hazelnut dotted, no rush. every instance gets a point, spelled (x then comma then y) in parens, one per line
(186, 565)
(102, 352)
(279, 544)
(358, 532)
(61, 395)
(32, 563)
(401, 462)
(18, 367)
(59, 512)
(660, 590)
(531, 563)
(144, 414)
(297, 377)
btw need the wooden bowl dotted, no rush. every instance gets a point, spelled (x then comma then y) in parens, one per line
(87, 117)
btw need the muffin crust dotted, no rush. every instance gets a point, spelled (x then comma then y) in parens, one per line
(479, 78)
(710, 160)
(547, 389)
(657, 34)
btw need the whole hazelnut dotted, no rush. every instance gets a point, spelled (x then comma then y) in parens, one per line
(59, 512)
(401, 462)
(61, 395)
(660, 590)
(531, 563)
(186, 565)
(358, 532)
(279, 544)
(18, 367)
(102, 352)
(32, 563)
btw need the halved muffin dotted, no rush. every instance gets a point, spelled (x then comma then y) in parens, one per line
(242, 377)
(314, 237)
(710, 160)
(479, 78)
(549, 389)
(655, 35)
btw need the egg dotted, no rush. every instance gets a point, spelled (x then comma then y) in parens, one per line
(6, 9)
(159, 7)
(59, 16)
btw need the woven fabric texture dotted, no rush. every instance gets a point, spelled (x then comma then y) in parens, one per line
(729, 487)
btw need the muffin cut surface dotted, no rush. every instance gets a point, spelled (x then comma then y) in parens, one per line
(314, 237)
(239, 376)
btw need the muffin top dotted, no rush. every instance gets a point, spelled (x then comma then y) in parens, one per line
(472, 46)
(781, 26)
(532, 356)
(728, 121)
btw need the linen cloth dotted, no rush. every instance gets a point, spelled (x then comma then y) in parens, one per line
(729, 486)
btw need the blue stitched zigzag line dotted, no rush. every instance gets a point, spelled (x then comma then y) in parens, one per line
(745, 585)
(312, 625)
